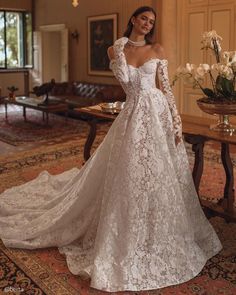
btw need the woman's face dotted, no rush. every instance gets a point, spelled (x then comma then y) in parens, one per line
(143, 23)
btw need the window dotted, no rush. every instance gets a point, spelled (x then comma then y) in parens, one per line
(2, 41)
(15, 40)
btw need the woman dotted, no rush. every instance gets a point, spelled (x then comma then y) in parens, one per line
(130, 218)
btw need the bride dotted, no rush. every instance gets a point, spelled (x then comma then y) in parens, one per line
(130, 217)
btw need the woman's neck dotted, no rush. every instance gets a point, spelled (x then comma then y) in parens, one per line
(136, 40)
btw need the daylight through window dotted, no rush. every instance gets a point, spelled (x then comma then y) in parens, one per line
(15, 40)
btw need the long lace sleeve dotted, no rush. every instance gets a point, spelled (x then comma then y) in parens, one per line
(166, 89)
(119, 64)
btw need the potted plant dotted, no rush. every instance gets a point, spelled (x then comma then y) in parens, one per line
(220, 97)
(12, 90)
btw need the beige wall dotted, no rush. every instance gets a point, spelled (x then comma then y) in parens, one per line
(16, 79)
(76, 18)
(16, 4)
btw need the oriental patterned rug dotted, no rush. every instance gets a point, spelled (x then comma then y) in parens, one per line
(45, 271)
(17, 132)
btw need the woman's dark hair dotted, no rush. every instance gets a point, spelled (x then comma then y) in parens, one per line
(138, 11)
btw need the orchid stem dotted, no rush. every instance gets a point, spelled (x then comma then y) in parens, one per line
(199, 84)
(213, 82)
(216, 50)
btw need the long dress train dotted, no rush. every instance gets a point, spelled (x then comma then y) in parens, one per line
(130, 217)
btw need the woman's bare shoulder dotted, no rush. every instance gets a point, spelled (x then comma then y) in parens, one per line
(110, 52)
(159, 50)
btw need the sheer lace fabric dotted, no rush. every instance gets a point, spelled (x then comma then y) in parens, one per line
(130, 218)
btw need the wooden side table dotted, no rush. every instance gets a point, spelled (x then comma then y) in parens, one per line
(93, 115)
(196, 132)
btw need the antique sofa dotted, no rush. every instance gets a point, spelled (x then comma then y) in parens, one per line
(80, 94)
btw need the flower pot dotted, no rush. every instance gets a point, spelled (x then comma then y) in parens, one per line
(223, 110)
(11, 96)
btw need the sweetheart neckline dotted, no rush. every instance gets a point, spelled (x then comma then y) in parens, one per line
(150, 59)
(147, 61)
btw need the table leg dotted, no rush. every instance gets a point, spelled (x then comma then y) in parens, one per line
(45, 117)
(198, 142)
(229, 172)
(198, 164)
(197, 147)
(90, 139)
(225, 207)
(24, 113)
(6, 115)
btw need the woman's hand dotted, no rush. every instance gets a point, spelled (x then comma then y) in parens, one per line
(120, 44)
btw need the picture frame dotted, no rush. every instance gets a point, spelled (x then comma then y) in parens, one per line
(102, 33)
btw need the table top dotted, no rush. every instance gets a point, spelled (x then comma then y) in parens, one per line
(36, 103)
(201, 126)
(191, 125)
(96, 111)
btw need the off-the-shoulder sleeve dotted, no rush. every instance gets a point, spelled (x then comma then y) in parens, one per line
(164, 84)
(119, 64)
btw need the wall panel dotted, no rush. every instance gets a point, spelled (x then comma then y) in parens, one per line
(214, 2)
(191, 107)
(193, 19)
(221, 18)
(194, 36)
(192, 3)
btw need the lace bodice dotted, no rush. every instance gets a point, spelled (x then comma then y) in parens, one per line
(140, 78)
(135, 80)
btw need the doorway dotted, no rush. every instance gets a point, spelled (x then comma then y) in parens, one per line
(50, 54)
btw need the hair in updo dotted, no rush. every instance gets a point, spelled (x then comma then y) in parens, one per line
(138, 11)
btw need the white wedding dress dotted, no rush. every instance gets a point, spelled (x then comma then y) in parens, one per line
(130, 218)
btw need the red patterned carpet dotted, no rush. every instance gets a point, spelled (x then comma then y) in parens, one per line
(16, 131)
(45, 271)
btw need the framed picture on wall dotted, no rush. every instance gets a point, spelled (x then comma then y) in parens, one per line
(102, 33)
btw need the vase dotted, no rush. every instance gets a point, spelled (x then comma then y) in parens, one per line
(223, 110)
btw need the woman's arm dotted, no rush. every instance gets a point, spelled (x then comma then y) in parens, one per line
(164, 84)
(118, 62)
(110, 53)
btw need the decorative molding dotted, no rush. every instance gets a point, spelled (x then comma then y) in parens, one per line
(49, 28)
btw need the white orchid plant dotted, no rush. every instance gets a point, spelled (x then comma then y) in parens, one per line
(222, 74)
